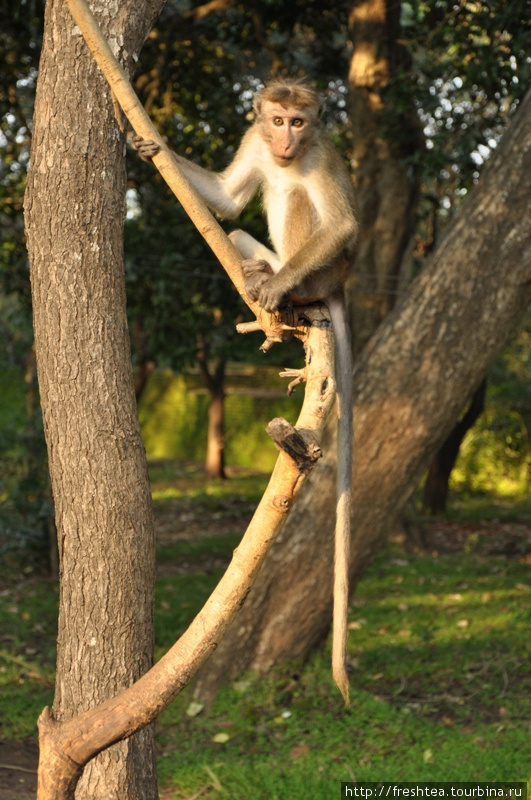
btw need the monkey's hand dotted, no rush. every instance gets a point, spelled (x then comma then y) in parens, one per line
(146, 148)
(273, 294)
(255, 273)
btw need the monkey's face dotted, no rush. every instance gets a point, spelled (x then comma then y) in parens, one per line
(288, 131)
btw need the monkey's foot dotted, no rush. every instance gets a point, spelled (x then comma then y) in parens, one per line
(299, 375)
(252, 265)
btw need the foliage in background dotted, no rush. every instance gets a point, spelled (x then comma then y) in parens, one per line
(25, 506)
(24, 494)
(178, 295)
(496, 455)
(20, 41)
(470, 65)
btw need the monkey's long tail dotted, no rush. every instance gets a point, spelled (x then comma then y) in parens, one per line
(343, 370)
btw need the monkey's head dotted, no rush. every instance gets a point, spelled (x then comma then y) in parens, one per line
(288, 117)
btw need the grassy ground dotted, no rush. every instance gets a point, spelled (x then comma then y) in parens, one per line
(439, 655)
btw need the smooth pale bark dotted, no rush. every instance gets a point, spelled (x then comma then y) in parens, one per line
(67, 746)
(75, 210)
(410, 385)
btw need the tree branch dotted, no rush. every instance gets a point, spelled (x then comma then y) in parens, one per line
(66, 746)
(200, 12)
(192, 203)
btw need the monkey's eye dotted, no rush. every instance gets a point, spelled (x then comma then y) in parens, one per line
(277, 121)
(298, 123)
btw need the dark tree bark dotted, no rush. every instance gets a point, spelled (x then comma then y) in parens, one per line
(411, 383)
(142, 373)
(144, 366)
(75, 210)
(435, 493)
(387, 184)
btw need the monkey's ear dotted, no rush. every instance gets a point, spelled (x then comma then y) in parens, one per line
(257, 103)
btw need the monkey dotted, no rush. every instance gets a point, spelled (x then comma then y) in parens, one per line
(309, 203)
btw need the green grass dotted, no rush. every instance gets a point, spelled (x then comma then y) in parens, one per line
(439, 653)
(187, 483)
(202, 549)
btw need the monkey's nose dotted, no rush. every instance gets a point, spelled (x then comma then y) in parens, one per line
(287, 143)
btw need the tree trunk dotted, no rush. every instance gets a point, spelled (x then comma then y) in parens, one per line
(142, 373)
(435, 495)
(215, 383)
(410, 384)
(143, 366)
(75, 210)
(387, 183)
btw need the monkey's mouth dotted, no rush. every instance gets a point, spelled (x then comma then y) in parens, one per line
(284, 161)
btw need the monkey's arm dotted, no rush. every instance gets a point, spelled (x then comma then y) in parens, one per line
(226, 193)
(320, 250)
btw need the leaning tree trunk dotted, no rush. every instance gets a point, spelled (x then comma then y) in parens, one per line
(74, 218)
(410, 385)
(386, 131)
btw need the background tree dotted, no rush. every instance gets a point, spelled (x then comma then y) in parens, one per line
(436, 485)
(387, 143)
(74, 219)
(431, 89)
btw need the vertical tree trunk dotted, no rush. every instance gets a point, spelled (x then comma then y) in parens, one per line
(215, 383)
(74, 217)
(215, 458)
(143, 365)
(387, 184)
